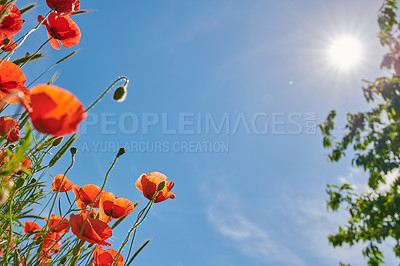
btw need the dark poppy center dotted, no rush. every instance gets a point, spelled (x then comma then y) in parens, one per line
(54, 33)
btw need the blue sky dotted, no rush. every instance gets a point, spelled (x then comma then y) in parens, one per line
(262, 200)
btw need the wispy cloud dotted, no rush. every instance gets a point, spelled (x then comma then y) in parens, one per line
(312, 223)
(359, 180)
(246, 235)
(293, 234)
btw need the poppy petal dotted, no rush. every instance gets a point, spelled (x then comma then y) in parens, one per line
(55, 111)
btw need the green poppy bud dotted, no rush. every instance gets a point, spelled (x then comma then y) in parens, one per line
(57, 141)
(120, 94)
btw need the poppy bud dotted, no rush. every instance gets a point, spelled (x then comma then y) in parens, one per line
(6, 41)
(120, 94)
(73, 150)
(121, 151)
(20, 182)
(57, 141)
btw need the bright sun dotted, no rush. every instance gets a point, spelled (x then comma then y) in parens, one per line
(345, 52)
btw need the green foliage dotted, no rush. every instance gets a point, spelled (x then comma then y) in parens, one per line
(374, 136)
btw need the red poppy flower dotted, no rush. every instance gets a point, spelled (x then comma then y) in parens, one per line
(114, 207)
(66, 184)
(12, 79)
(31, 227)
(11, 45)
(64, 6)
(63, 29)
(51, 242)
(45, 258)
(55, 111)
(11, 23)
(86, 195)
(104, 257)
(10, 127)
(94, 231)
(58, 224)
(148, 184)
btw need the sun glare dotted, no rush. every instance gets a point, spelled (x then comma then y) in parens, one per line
(345, 52)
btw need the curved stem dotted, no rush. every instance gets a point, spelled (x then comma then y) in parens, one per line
(107, 90)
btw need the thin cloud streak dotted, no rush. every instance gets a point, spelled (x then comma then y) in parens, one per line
(223, 212)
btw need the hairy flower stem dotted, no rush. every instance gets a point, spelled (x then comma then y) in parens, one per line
(107, 90)
(138, 221)
(10, 231)
(102, 187)
(23, 38)
(58, 190)
(76, 252)
(36, 52)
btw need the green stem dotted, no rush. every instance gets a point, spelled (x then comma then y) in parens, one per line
(10, 231)
(58, 190)
(135, 225)
(102, 187)
(37, 51)
(25, 36)
(76, 252)
(107, 90)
